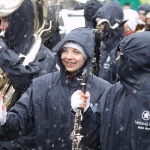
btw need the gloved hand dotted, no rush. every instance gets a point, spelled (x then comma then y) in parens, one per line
(3, 113)
(80, 100)
(2, 45)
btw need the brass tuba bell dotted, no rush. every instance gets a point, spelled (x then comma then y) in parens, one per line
(8, 7)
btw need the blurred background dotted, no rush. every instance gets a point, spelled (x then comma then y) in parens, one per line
(71, 16)
(69, 4)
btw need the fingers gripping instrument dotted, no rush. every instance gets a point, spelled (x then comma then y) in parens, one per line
(75, 135)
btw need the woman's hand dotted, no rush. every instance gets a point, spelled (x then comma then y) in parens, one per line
(80, 100)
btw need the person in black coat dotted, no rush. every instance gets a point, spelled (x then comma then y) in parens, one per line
(46, 103)
(90, 9)
(121, 119)
(110, 38)
(19, 30)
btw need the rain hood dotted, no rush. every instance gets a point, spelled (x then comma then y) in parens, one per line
(20, 28)
(134, 65)
(82, 36)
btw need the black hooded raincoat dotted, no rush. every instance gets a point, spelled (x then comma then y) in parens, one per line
(47, 102)
(124, 109)
(18, 38)
(112, 12)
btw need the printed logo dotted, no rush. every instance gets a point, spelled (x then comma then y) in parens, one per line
(146, 115)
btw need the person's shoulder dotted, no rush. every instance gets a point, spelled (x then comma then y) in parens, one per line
(101, 83)
(109, 95)
(114, 88)
(47, 78)
(44, 83)
(46, 51)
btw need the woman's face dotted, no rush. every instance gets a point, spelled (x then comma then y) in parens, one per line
(3, 24)
(72, 59)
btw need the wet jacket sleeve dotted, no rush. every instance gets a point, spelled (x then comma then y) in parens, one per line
(19, 117)
(91, 124)
(47, 60)
(21, 76)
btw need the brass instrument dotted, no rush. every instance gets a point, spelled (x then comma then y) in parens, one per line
(6, 8)
(118, 24)
(5, 87)
(46, 16)
(75, 135)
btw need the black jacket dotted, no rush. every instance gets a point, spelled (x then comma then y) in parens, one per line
(47, 102)
(112, 12)
(122, 117)
(18, 39)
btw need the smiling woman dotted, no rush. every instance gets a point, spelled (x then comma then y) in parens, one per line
(73, 57)
(49, 97)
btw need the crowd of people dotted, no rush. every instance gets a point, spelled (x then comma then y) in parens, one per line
(116, 105)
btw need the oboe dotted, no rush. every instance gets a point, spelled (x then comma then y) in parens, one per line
(76, 136)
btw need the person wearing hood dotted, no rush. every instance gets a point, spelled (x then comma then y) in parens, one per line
(46, 103)
(110, 38)
(18, 37)
(19, 30)
(121, 119)
(78, 6)
(132, 20)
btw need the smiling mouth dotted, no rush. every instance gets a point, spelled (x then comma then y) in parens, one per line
(70, 64)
